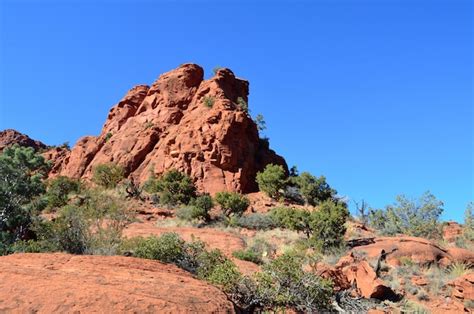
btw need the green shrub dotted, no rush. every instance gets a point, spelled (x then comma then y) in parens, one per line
(232, 203)
(59, 189)
(272, 180)
(21, 173)
(418, 218)
(242, 104)
(283, 283)
(313, 189)
(293, 219)
(248, 255)
(468, 231)
(208, 101)
(260, 122)
(168, 248)
(225, 275)
(174, 188)
(108, 175)
(256, 252)
(197, 210)
(328, 225)
(256, 221)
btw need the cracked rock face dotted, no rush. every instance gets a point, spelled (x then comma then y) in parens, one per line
(183, 122)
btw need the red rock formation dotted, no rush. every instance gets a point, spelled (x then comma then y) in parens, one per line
(9, 137)
(452, 230)
(169, 125)
(62, 283)
(463, 287)
(418, 250)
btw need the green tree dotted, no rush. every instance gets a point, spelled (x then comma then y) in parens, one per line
(313, 189)
(469, 222)
(272, 180)
(174, 188)
(21, 173)
(232, 203)
(108, 175)
(260, 122)
(418, 218)
(327, 224)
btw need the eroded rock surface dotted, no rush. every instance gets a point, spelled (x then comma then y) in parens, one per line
(183, 122)
(62, 283)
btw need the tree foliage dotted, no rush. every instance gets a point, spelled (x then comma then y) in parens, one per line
(174, 188)
(232, 203)
(272, 180)
(21, 174)
(108, 175)
(313, 189)
(419, 217)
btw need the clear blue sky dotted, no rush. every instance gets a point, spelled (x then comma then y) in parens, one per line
(375, 95)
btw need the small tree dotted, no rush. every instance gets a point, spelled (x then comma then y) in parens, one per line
(198, 208)
(362, 211)
(232, 203)
(328, 225)
(272, 180)
(260, 122)
(313, 189)
(21, 173)
(174, 188)
(108, 175)
(418, 218)
(469, 222)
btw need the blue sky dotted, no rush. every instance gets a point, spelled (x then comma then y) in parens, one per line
(375, 95)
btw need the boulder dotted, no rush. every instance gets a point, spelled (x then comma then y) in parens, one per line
(463, 287)
(62, 283)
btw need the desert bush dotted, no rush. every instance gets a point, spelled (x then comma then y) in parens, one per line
(313, 189)
(256, 221)
(58, 190)
(283, 283)
(107, 175)
(168, 248)
(198, 209)
(458, 269)
(248, 255)
(174, 188)
(292, 218)
(272, 180)
(328, 225)
(242, 104)
(21, 173)
(208, 101)
(232, 203)
(133, 190)
(256, 252)
(324, 227)
(417, 218)
(468, 232)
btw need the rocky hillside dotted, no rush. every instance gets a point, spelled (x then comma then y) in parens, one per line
(200, 127)
(9, 137)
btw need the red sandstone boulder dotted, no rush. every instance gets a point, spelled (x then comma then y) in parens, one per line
(418, 250)
(184, 122)
(62, 283)
(452, 230)
(335, 274)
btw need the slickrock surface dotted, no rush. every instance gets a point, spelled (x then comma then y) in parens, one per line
(62, 283)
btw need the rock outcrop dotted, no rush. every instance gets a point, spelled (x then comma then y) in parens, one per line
(463, 287)
(418, 250)
(9, 137)
(197, 126)
(62, 283)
